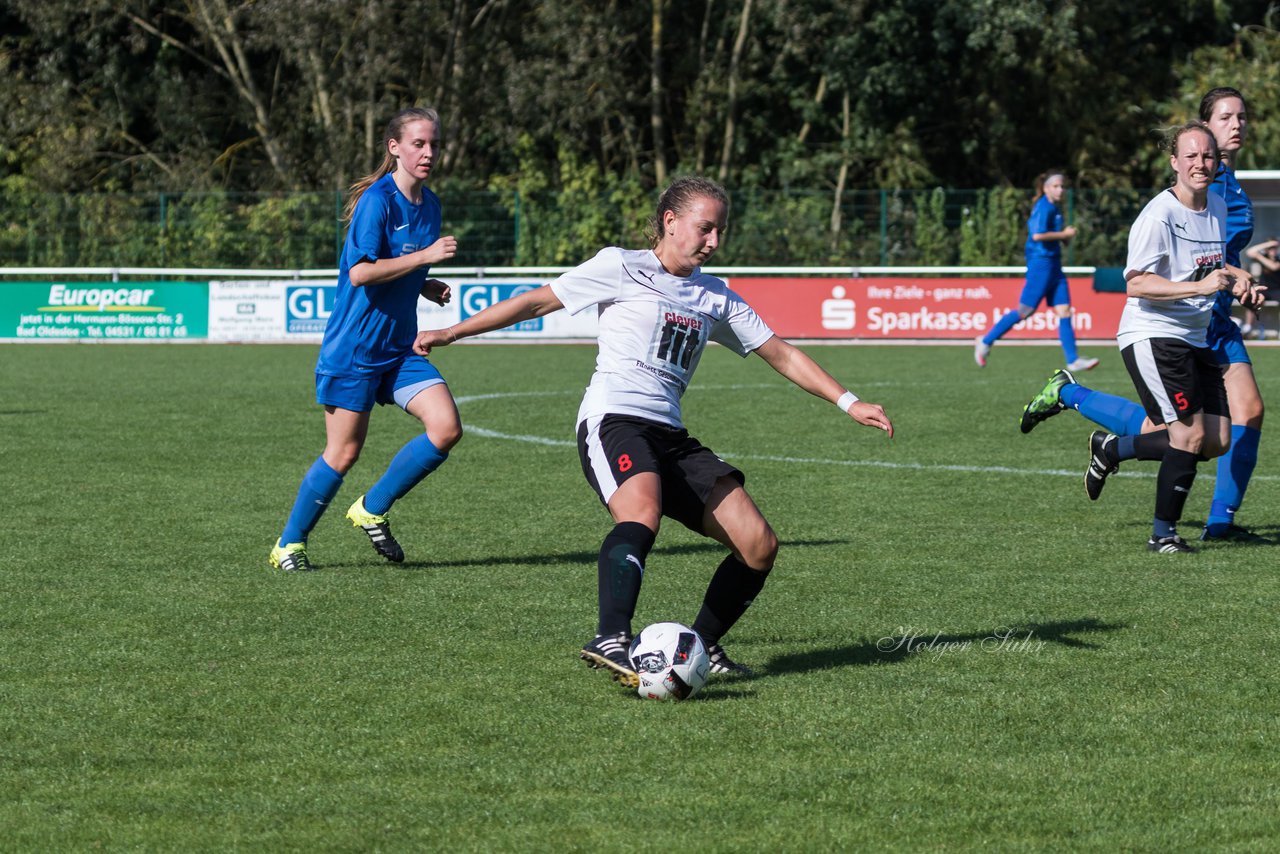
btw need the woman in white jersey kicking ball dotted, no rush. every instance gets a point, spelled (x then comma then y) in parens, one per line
(657, 311)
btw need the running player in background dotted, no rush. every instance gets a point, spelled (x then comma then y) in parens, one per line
(1225, 113)
(366, 356)
(1267, 256)
(657, 311)
(1046, 282)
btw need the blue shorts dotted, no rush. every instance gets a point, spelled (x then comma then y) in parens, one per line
(1045, 281)
(1226, 341)
(397, 384)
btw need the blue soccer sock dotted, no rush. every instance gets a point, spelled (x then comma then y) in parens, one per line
(319, 485)
(418, 458)
(1002, 326)
(1067, 335)
(1235, 468)
(1116, 414)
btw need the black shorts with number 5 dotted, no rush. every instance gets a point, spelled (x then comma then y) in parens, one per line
(1175, 379)
(613, 448)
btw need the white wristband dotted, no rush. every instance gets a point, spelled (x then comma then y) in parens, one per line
(847, 400)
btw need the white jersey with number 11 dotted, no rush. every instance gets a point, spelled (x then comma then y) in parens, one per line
(653, 327)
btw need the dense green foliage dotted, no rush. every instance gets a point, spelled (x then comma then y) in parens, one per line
(571, 113)
(161, 689)
(546, 227)
(607, 95)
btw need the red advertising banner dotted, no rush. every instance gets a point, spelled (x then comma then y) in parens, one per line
(907, 307)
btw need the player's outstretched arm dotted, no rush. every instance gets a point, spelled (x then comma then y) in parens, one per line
(796, 366)
(520, 307)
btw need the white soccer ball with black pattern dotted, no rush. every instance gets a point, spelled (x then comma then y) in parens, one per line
(670, 660)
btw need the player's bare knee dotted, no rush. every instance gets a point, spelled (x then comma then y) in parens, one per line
(1249, 411)
(761, 549)
(342, 458)
(445, 436)
(651, 519)
(647, 513)
(1192, 440)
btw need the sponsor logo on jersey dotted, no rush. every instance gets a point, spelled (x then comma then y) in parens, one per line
(665, 376)
(682, 320)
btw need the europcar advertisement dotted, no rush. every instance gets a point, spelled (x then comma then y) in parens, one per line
(105, 310)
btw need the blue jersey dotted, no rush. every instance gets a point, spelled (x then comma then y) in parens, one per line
(1045, 216)
(1239, 225)
(372, 327)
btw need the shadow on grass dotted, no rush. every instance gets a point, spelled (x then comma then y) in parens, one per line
(709, 547)
(1258, 535)
(714, 693)
(892, 649)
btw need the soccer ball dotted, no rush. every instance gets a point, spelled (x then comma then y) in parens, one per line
(670, 660)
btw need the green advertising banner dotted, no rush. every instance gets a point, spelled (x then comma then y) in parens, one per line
(101, 311)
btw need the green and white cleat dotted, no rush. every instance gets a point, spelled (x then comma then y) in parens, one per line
(378, 529)
(291, 557)
(1046, 404)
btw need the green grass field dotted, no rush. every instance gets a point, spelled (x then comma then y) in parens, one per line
(161, 688)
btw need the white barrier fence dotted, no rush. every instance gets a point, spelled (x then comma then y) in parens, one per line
(233, 305)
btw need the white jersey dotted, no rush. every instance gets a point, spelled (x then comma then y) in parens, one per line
(1182, 245)
(653, 329)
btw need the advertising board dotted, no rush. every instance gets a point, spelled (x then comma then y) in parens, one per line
(924, 308)
(104, 310)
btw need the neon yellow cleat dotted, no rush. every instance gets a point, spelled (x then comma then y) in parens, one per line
(378, 529)
(291, 557)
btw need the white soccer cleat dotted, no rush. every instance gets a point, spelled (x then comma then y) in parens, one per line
(981, 349)
(1083, 364)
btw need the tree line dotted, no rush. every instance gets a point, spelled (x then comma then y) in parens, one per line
(577, 110)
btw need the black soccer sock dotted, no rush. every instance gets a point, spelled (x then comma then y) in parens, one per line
(1173, 483)
(1151, 446)
(619, 573)
(732, 589)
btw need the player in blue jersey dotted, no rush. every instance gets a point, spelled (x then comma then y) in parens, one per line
(1046, 282)
(657, 312)
(367, 353)
(1225, 113)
